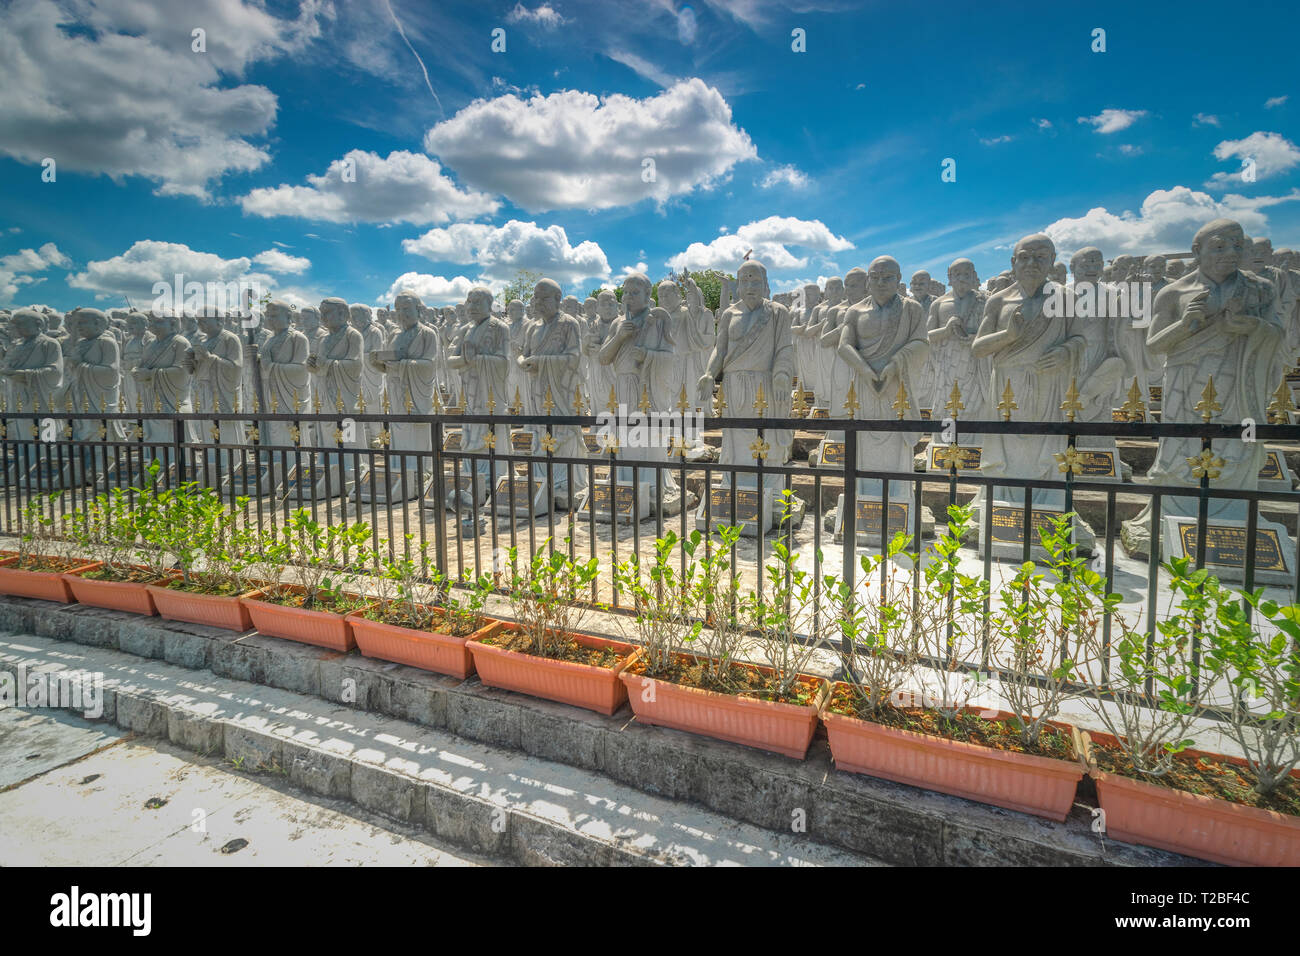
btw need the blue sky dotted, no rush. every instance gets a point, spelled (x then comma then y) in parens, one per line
(237, 161)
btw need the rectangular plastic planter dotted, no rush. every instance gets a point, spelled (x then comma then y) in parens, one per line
(304, 625)
(1190, 823)
(427, 650)
(785, 729)
(216, 610)
(1043, 786)
(44, 585)
(130, 596)
(582, 685)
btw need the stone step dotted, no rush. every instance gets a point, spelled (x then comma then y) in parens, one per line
(487, 799)
(572, 784)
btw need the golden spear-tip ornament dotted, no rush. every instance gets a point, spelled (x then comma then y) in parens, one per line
(491, 402)
(1281, 406)
(613, 402)
(1134, 408)
(548, 405)
(760, 401)
(683, 405)
(410, 405)
(579, 403)
(361, 401)
(1071, 406)
(644, 404)
(518, 407)
(719, 403)
(1008, 403)
(900, 403)
(954, 405)
(1208, 406)
(851, 403)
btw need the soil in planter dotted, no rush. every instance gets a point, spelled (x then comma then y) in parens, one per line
(223, 590)
(40, 563)
(968, 728)
(121, 576)
(322, 602)
(1207, 777)
(740, 681)
(438, 622)
(561, 649)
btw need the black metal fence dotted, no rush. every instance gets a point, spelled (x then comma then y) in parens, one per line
(401, 492)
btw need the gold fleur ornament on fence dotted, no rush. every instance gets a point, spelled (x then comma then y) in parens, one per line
(1069, 461)
(1206, 465)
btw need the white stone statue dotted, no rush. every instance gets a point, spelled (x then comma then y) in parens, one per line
(551, 357)
(930, 374)
(285, 376)
(753, 361)
(952, 326)
(482, 357)
(409, 365)
(33, 364)
(164, 380)
(373, 339)
(836, 374)
(137, 338)
(600, 329)
(215, 360)
(884, 342)
(1037, 355)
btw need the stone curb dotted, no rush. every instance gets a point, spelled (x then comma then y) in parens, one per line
(894, 823)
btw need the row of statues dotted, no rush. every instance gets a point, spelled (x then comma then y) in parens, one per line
(1213, 340)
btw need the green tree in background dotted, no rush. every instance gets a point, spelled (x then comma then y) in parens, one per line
(521, 286)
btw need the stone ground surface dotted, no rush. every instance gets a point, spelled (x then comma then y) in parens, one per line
(550, 813)
(81, 793)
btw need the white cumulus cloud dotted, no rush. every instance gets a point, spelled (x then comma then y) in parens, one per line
(1166, 222)
(432, 290)
(770, 239)
(1112, 121)
(575, 150)
(277, 261)
(544, 15)
(795, 178)
(148, 261)
(1272, 153)
(501, 251)
(363, 186)
(114, 88)
(16, 269)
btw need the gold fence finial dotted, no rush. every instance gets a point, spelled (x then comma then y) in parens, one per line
(1071, 406)
(954, 405)
(1134, 408)
(579, 403)
(644, 404)
(851, 403)
(760, 400)
(548, 405)
(518, 407)
(613, 401)
(900, 403)
(719, 403)
(1008, 403)
(1281, 406)
(361, 401)
(491, 402)
(1208, 406)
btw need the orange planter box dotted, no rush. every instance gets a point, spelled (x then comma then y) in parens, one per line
(305, 625)
(217, 610)
(1029, 783)
(132, 596)
(582, 685)
(1191, 823)
(786, 729)
(427, 650)
(45, 585)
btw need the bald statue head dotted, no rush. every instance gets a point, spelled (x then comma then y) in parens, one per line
(1153, 269)
(961, 276)
(87, 323)
(27, 323)
(1175, 269)
(855, 285)
(546, 299)
(1218, 247)
(277, 314)
(1031, 261)
(920, 284)
(1087, 264)
(478, 304)
(751, 283)
(883, 278)
(670, 297)
(407, 305)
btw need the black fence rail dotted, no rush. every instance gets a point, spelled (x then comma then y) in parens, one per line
(402, 493)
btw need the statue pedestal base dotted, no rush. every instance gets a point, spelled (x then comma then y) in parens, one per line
(597, 500)
(902, 514)
(1225, 548)
(969, 455)
(754, 516)
(524, 497)
(1275, 474)
(1099, 456)
(829, 454)
(1009, 526)
(313, 481)
(381, 486)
